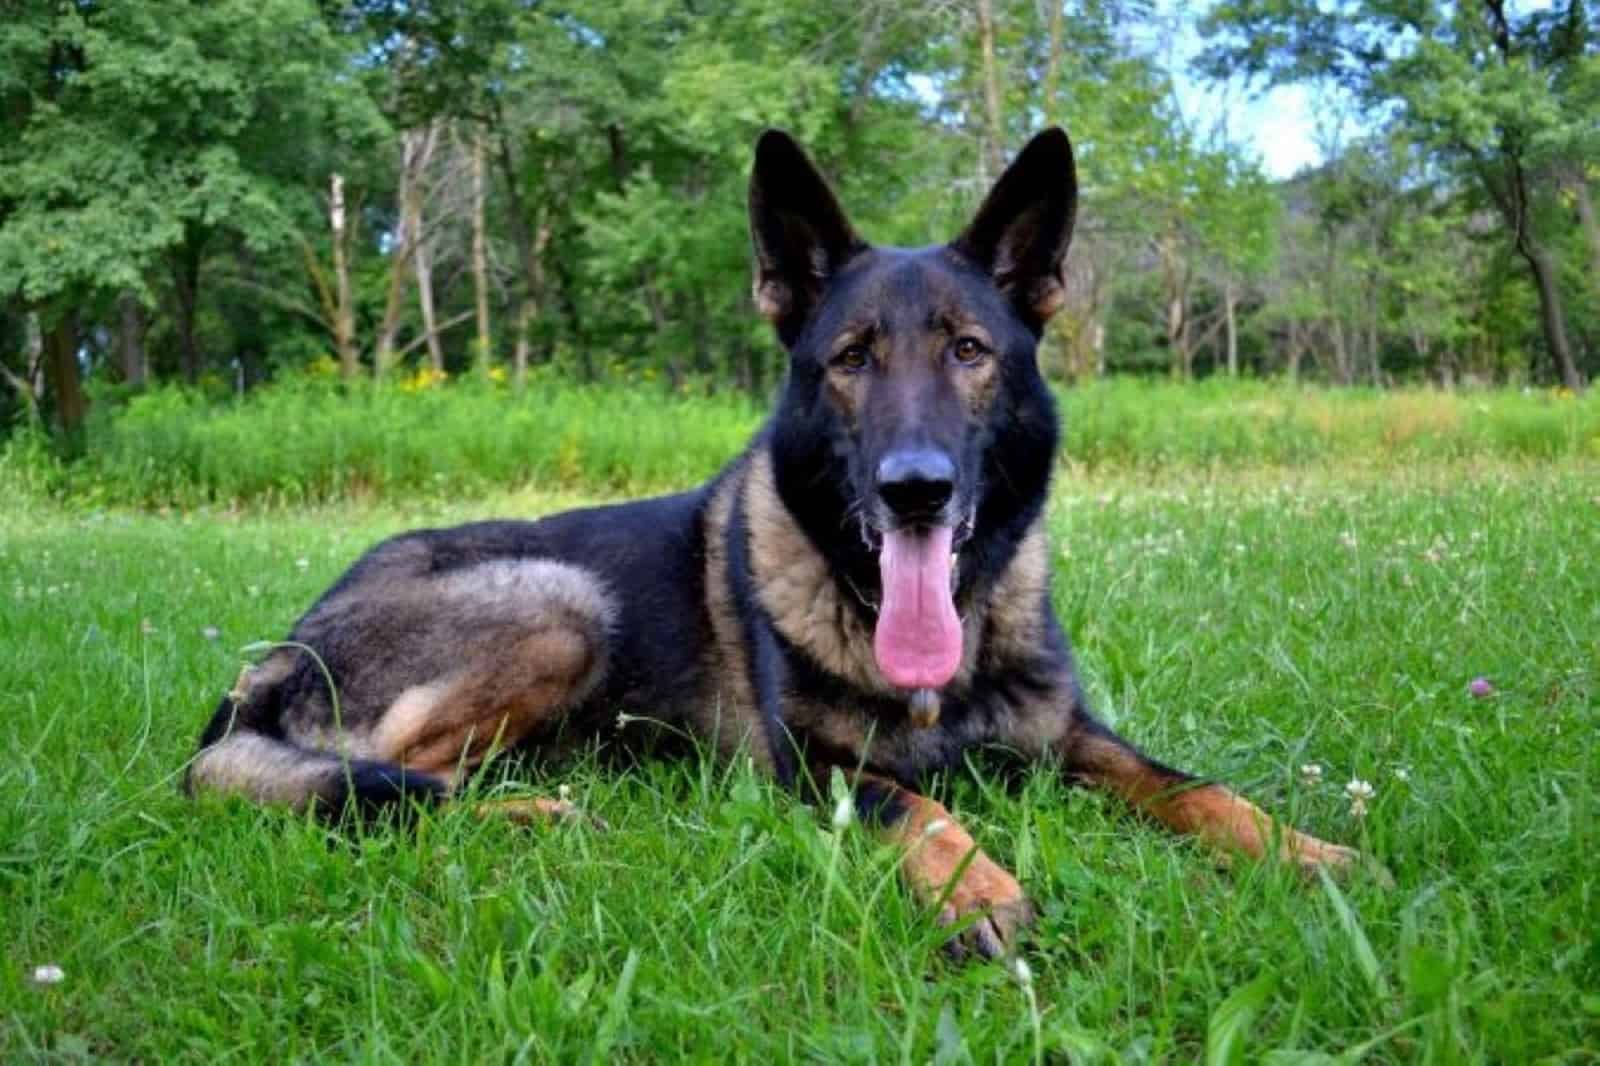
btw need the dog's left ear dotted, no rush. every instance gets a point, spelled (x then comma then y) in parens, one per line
(1021, 232)
(800, 233)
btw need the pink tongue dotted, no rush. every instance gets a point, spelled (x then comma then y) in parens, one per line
(918, 641)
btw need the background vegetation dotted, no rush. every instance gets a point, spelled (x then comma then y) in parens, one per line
(309, 440)
(224, 193)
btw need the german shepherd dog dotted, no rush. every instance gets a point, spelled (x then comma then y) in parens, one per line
(867, 587)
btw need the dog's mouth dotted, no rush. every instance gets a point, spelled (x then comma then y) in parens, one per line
(918, 639)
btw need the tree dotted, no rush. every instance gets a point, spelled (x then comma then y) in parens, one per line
(138, 132)
(1484, 92)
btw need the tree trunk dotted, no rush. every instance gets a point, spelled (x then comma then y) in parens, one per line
(528, 306)
(483, 344)
(658, 316)
(65, 381)
(1052, 66)
(647, 278)
(29, 384)
(1342, 373)
(1551, 317)
(1373, 345)
(422, 259)
(530, 241)
(344, 323)
(186, 287)
(1230, 301)
(1579, 184)
(1296, 350)
(1175, 283)
(130, 341)
(993, 137)
(526, 310)
(416, 147)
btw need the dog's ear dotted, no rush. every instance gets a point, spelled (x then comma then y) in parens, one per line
(1021, 232)
(800, 233)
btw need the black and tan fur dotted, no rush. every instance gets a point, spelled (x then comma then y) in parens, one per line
(742, 612)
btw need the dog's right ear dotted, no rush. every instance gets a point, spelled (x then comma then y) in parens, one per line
(800, 234)
(1021, 232)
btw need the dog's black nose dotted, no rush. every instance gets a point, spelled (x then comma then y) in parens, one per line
(916, 483)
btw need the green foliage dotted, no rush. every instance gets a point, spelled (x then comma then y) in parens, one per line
(132, 124)
(315, 441)
(1500, 102)
(165, 184)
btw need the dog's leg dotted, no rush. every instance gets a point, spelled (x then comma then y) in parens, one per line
(536, 811)
(448, 727)
(1217, 815)
(945, 866)
(447, 730)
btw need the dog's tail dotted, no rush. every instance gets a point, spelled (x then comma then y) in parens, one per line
(243, 752)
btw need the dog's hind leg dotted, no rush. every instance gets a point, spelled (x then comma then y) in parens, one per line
(400, 683)
(538, 655)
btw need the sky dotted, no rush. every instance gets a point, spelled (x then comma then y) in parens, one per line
(1278, 125)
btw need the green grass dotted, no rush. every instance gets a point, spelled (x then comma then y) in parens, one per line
(307, 441)
(1240, 626)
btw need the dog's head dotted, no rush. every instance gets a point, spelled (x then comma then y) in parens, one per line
(916, 370)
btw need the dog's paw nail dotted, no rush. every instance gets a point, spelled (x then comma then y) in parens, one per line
(987, 939)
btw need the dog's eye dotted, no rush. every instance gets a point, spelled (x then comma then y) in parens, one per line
(853, 358)
(970, 350)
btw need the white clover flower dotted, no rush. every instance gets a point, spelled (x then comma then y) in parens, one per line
(48, 974)
(1348, 539)
(843, 811)
(302, 563)
(1359, 792)
(1402, 774)
(1310, 774)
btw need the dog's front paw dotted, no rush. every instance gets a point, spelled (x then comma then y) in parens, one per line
(1312, 854)
(1003, 912)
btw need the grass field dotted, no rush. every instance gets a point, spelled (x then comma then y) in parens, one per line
(1242, 626)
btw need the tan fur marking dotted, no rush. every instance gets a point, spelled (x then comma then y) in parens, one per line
(1049, 296)
(407, 718)
(1213, 813)
(728, 712)
(262, 769)
(935, 847)
(537, 810)
(1015, 615)
(259, 677)
(542, 650)
(1228, 821)
(495, 705)
(797, 587)
(845, 393)
(539, 591)
(977, 385)
(772, 299)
